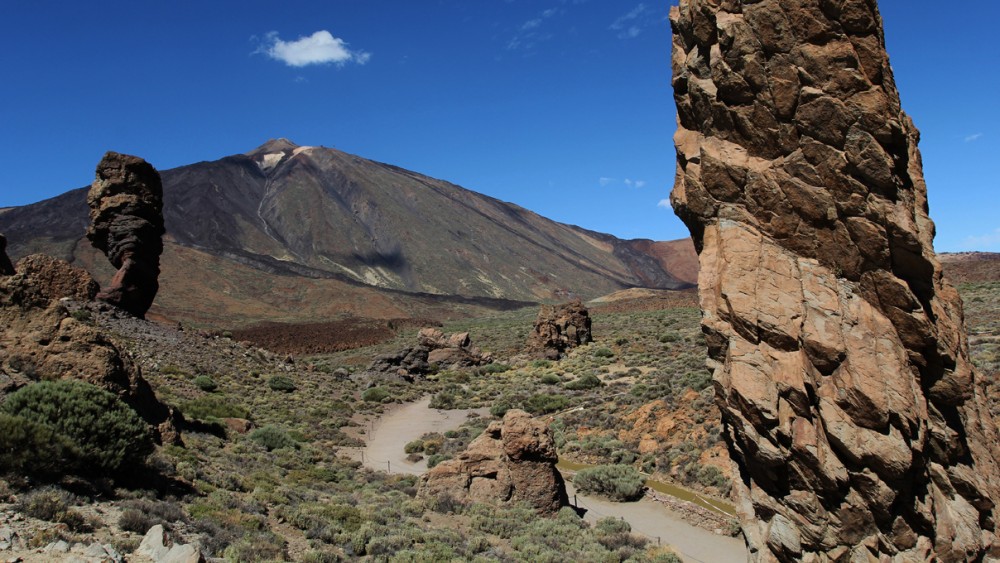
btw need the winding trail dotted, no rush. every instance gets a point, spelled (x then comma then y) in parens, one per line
(405, 423)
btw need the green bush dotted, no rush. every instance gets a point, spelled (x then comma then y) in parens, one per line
(375, 394)
(30, 448)
(272, 438)
(621, 483)
(494, 368)
(281, 383)
(588, 381)
(604, 353)
(205, 383)
(500, 408)
(413, 447)
(543, 403)
(213, 407)
(105, 433)
(551, 379)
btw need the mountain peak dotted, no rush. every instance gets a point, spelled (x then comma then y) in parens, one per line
(274, 145)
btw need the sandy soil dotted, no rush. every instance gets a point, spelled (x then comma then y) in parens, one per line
(405, 423)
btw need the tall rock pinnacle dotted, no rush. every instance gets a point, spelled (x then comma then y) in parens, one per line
(126, 223)
(852, 411)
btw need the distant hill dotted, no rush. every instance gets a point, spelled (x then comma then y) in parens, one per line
(298, 234)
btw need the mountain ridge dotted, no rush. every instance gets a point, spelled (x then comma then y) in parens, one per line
(323, 214)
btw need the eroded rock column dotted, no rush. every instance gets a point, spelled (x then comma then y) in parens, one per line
(841, 364)
(126, 223)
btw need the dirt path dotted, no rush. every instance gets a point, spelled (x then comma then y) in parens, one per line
(405, 423)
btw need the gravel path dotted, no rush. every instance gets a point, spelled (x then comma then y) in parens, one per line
(405, 423)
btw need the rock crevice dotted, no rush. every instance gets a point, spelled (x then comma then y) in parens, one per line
(840, 359)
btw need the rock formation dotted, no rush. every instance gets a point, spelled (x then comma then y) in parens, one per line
(841, 367)
(513, 460)
(559, 328)
(40, 340)
(6, 268)
(434, 350)
(126, 224)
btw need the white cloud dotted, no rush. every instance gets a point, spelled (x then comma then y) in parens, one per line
(605, 182)
(530, 32)
(316, 49)
(630, 25)
(974, 137)
(635, 183)
(987, 242)
(664, 203)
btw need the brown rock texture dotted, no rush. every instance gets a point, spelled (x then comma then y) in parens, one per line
(512, 461)
(841, 366)
(559, 328)
(434, 349)
(40, 340)
(6, 268)
(126, 224)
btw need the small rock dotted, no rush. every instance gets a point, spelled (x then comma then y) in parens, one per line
(152, 544)
(57, 547)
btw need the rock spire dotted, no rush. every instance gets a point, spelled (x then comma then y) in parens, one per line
(126, 223)
(841, 364)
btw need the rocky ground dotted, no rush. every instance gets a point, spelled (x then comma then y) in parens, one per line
(231, 495)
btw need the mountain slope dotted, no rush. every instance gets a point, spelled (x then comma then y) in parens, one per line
(321, 214)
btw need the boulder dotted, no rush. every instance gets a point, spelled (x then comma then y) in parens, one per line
(856, 421)
(126, 224)
(559, 328)
(434, 349)
(6, 268)
(41, 340)
(513, 460)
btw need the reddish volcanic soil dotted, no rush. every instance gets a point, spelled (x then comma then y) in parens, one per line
(964, 267)
(324, 338)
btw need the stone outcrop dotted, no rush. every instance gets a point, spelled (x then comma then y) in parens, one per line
(559, 328)
(41, 340)
(513, 460)
(434, 350)
(126, 224)
(6, 268)
(842, 373)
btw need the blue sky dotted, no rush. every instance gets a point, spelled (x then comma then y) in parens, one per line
(561, 106)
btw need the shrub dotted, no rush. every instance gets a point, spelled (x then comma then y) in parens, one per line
(588, 381)
(106, 434)
(604, 353)
(543, 403)
(281, 383)
(133, 520)
(205, 383)
(272, 438)
(213, 407)
(30, 448)
(619, 483)
(500, 408)
(375, 394)
(551, 379)
(413, 447)
(52, 505)
(494, 368)
(612, 525)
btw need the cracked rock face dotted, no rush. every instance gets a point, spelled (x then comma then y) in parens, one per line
(558, 328)
(512, 461)
(126, 224)
(841, 364)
